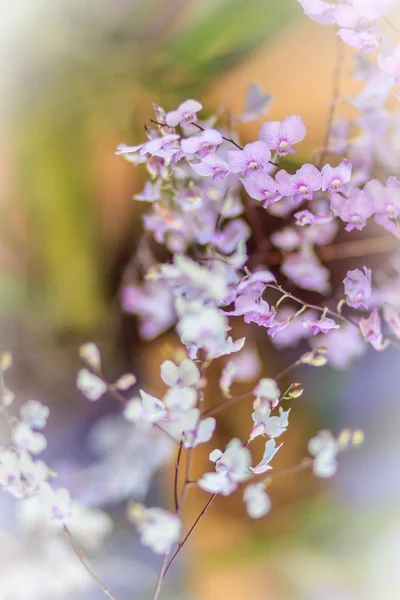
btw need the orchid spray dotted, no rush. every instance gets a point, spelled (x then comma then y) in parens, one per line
(205, 192)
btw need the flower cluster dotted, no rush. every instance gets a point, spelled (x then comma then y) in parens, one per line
(43, 507)
(208, 195)
(204, 186)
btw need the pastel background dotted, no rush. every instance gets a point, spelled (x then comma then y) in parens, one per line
(79, 77)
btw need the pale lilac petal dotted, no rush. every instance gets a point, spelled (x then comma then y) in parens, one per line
(262, 187)
(311, 175)
(237, 161)
(257, 104)
(206, 142)
(258, 503)
(211, 165)
(293, 129)
(258, 151)
(285, 183)
(358, 287)
(372, 332)
(269, 453)
(319, 11)
(190, 106)
(335, 179)
(185, 113)
(365, 41)
(269, 134)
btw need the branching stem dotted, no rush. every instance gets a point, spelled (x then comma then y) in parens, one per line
(79, 553)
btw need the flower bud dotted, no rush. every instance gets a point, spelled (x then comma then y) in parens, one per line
(357, 437)
(315, 358)
(5, 361)
(125, 382)
(295, 391)
(90, 354)
(135, 512)
(344, 438)
(8, 397)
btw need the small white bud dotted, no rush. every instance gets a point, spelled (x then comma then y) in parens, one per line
(90, 385)
(125, 382)
(90, 354)
(5, 361)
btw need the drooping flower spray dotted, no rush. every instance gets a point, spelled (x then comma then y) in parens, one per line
(203, 189)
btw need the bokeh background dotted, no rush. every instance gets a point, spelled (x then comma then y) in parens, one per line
(79, 77)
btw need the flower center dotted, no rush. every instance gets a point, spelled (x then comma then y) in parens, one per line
(303, 189)
(282, 145)
(254, 165)
(336, 183)
(391, 209)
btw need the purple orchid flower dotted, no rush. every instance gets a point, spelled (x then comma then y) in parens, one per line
(357, 287)
(185, 114)
(354, 209)
(253, 157)
(262, 187)
(211, 165)
(280, 136)
(203, 144)
(163, 147)
(335, 179)
(304, 218)
(323, 325)
(371, 331)
(301, 185)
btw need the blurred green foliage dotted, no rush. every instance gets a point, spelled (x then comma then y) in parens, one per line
(96, 66)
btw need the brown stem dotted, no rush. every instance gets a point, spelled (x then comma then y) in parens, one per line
(305, 464)
(123, 401)
(227, 139)
(161, 576)
(339, 61)
(79, 553)
(322, 309)
(353, 249)
(377, 245)
(3, 407)
(183, 542)
(177, 464)
(187, 476)
(396, 29)
(230, 402)
(288, 369)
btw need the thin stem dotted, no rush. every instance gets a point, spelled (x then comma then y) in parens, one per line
(187, 476)
(123, 401)
(353, 249)
(161, 576)
(356, 248)
(322, 309)
(183, 542)
(177, 464)
(3, 407)
(396, 29)
(227, 139)
(79, 553)
(337, 73)
(305, 464)
(230, 402)
(287, 370)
